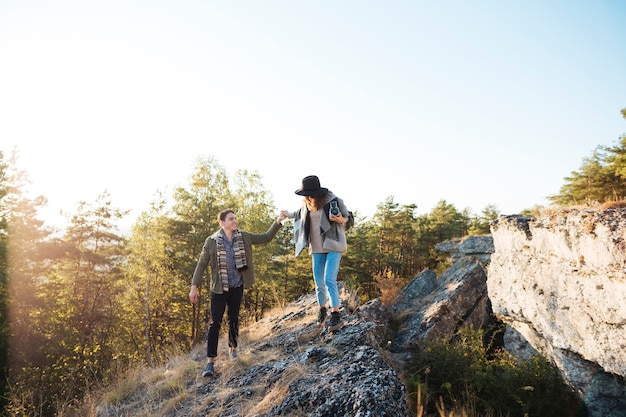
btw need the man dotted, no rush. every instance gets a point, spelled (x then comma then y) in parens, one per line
(229, 254)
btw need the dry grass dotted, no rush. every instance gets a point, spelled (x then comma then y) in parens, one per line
(151, 392)
(279, 391)
(594, 205)
(251, 399)
(124, 388)
(613, 204)
(465, 410)
(178, 388)
(264, 328)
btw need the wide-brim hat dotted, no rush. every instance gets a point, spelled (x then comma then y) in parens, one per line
(311, 187)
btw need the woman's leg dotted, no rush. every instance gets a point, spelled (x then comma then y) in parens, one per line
(331, 271)
(319, 265)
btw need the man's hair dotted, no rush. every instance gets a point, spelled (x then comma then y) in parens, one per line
(222, 214)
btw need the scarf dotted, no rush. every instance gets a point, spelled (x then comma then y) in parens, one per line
(240, 256)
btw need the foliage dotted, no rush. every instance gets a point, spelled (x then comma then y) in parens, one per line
(468, 371)
(152, 305)
(94, 301)
(78, 315)
(24, 258)
(480, 225)
(388, 251)
(601, 177)
(74, 309)
(4, 321)
(193, 218)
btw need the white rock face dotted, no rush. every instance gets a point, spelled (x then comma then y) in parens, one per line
(560, 281)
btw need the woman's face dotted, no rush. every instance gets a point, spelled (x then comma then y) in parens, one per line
(229, 223)
(309, 202)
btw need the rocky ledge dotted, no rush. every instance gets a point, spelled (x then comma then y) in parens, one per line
(559, 282)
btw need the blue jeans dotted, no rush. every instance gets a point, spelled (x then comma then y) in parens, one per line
(325, 270)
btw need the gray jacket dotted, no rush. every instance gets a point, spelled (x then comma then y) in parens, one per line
(329, 229)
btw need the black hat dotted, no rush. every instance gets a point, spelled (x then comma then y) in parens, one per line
(311, 187)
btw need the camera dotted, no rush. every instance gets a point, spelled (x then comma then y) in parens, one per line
(334, 209)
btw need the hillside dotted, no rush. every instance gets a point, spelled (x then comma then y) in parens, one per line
(287, 366)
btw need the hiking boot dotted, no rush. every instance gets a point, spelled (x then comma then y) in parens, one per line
(208, 370)
(335, 321)
(321, 318)
(232, 352)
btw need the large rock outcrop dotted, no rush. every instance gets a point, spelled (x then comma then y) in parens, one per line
(559, 281)
(435, 308)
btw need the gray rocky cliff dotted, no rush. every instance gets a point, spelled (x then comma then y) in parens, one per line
(559, 282)
(436, 308)
(432, 308)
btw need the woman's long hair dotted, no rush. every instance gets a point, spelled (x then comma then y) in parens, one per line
(315, 203)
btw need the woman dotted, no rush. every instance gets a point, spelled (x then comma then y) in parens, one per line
(319, 224)
(229, 254)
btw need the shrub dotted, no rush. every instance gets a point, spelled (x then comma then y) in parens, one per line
(466, 373)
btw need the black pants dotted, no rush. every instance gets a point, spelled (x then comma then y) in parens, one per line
(219, 302)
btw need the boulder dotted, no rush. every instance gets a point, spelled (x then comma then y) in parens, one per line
(559, 280)
(431, 308)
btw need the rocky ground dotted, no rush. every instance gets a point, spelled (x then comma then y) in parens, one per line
(287, 366)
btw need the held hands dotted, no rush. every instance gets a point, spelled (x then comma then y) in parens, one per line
(282, 216)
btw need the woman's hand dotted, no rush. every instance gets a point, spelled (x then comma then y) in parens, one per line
(336, 219)
(282, 216)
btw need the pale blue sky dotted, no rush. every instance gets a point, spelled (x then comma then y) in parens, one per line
(477, 103)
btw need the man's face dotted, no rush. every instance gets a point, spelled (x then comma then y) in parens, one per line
(230, 222)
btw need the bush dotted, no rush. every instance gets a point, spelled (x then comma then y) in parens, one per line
(467, 374)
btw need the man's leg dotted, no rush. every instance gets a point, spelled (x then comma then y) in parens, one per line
(234, 304)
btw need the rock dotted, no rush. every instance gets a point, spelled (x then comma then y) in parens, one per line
(435, 309)
(480, 247)
(559, 281)
(317, 373)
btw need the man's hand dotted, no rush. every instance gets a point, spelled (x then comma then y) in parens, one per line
(193, 294)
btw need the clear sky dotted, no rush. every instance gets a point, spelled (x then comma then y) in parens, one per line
(475, 103)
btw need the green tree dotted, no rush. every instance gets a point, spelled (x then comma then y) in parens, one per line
(359, 265)
(480, 225)
(4, 273)
(155, 318)
(395, 237)
(79, 310)
(601, 177)
(24, 255)
(443, 223)
(395, 244)
(255, 212)
(595, 181)
(616, 161)
(389, 250)
(194, 218)
(292, 275)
